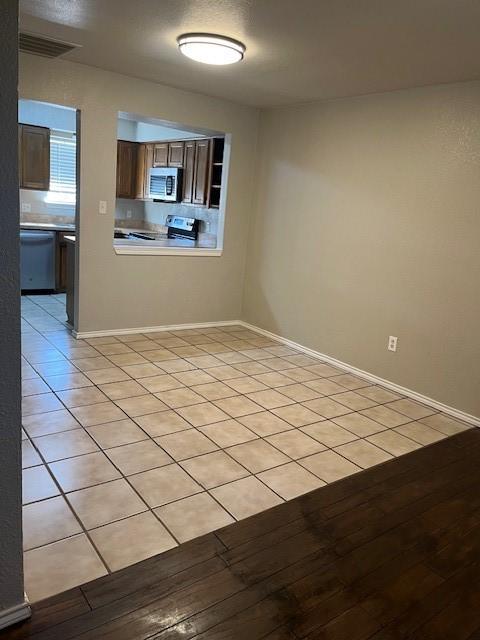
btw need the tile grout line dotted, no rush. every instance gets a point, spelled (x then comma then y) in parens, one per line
(197, 429)
(385, 427)
(85, 530)
(219, 449)
(72, 510)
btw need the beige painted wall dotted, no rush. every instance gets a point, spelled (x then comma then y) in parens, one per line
(368, 225)
(118, 292)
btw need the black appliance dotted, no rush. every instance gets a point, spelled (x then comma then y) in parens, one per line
(182, 227)
(142, 236)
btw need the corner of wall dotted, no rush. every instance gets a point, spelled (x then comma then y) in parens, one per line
(253, 208)
(11, 572)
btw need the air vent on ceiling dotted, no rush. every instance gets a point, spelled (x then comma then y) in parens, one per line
(42, 46)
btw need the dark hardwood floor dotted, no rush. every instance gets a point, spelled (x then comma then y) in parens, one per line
(390, 553)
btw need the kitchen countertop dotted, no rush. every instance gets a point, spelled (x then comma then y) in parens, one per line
(47, 226)
(133, 230)
(161, 244)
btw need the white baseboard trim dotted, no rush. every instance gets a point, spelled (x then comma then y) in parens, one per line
(455, 413)
(166, 327)
(15, 614)
(440, 406)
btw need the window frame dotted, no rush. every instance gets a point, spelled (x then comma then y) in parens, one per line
(64, 191)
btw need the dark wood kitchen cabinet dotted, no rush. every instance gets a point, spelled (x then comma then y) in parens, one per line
(61, 261)
(144, 164)
(188, 171)
(127, 169)
(175, 154)
(70, 281)
(140, 172)
(168, 154)
(160, 154)
(201, 160)
(34, 157)
(196, 171)
(202, 151)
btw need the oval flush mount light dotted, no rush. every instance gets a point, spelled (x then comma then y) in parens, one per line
(211, 49)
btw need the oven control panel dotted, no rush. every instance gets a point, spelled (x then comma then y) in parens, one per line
(178, 222)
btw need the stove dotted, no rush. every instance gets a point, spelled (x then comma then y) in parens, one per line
(182, 227)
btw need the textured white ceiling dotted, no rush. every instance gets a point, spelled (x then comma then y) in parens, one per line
(297, 50)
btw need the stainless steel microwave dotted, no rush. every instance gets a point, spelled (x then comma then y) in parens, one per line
(165, 183)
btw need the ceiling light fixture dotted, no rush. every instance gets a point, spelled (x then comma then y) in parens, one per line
(211, 49)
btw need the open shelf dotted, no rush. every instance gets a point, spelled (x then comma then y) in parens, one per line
(216, 172)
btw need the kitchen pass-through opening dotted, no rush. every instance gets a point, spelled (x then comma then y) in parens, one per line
(171, 182)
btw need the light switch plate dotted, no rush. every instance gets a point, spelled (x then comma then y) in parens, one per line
(102, 206)
(392, 343)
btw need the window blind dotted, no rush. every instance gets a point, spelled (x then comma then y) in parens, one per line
(62, 164)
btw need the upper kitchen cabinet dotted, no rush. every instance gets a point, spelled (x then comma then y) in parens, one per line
(168, 154)
(144, 164)
(188, 171)
(34, 157)
(202, 157)
(196, 171)
(201, 160)
(175, 154)
(160, 154)
(127, 155)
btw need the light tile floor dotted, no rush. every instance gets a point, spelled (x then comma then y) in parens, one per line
(136, 443)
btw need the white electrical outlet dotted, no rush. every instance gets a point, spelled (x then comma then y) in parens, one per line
(26, 207)
(129, 214)
(102, 206)
(392, 343)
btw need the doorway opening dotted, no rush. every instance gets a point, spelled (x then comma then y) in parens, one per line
(48, 194)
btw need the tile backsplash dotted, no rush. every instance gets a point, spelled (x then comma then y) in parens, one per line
(41, 210)
(153, 214)
(138, 214)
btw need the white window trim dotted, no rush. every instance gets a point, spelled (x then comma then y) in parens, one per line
(54, 196)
